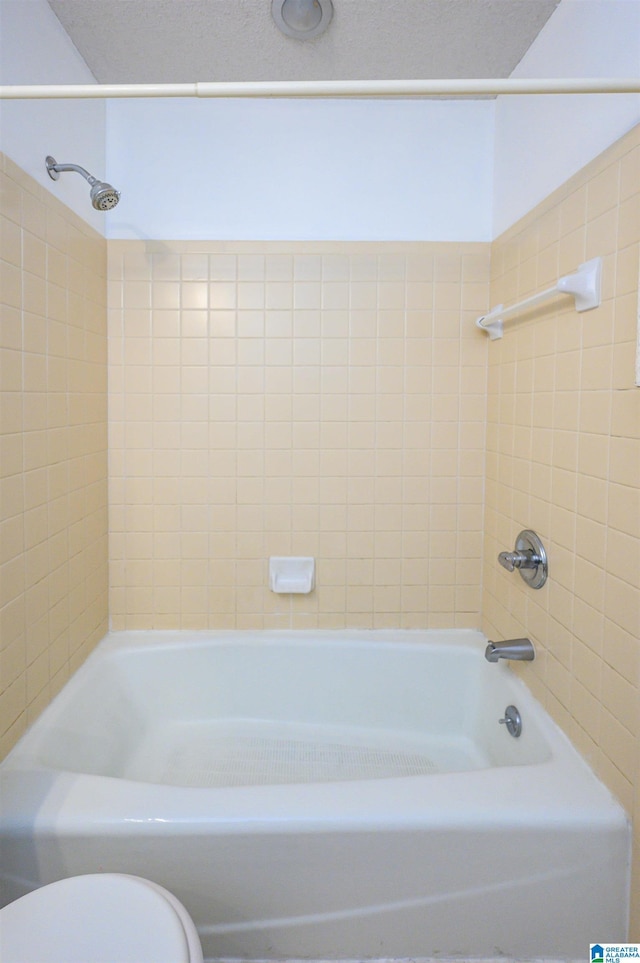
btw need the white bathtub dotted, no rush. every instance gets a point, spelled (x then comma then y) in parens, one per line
(326, 795)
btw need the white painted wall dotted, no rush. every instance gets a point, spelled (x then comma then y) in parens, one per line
(295, 169)
(541, 141)
(390, 169)
(34, 49)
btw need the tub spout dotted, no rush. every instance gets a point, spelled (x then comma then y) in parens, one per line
(520, 650)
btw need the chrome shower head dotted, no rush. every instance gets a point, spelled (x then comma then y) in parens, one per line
(103, 196)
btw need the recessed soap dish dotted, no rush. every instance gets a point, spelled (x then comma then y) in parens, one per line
(292, 574)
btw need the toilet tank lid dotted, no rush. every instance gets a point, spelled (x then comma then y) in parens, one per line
(96, 918)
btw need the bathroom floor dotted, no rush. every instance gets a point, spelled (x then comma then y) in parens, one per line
(501, 959)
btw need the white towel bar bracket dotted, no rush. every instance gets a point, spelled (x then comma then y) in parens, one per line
(584, 286)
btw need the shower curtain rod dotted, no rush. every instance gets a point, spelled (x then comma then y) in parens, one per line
(330, 88)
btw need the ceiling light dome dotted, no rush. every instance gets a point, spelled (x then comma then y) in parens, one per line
(303, 19)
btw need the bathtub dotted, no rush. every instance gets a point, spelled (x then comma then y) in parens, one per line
(325, 795)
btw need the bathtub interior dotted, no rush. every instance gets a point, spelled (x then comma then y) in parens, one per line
(243, 710)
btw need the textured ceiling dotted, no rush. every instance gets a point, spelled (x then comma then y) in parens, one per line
(183, 41)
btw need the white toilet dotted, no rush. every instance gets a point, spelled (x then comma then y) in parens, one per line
(103, 918)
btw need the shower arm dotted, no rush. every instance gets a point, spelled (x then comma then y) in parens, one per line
(56, 169)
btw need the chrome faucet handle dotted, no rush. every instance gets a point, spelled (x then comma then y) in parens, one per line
(507, 560)
(513, 560)
(529, 557)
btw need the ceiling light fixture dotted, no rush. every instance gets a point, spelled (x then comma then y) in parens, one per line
(302, 19)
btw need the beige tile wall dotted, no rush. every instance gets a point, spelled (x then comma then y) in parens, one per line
(326, 399)
(563, 457)
(53, 479)
(296, 399)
